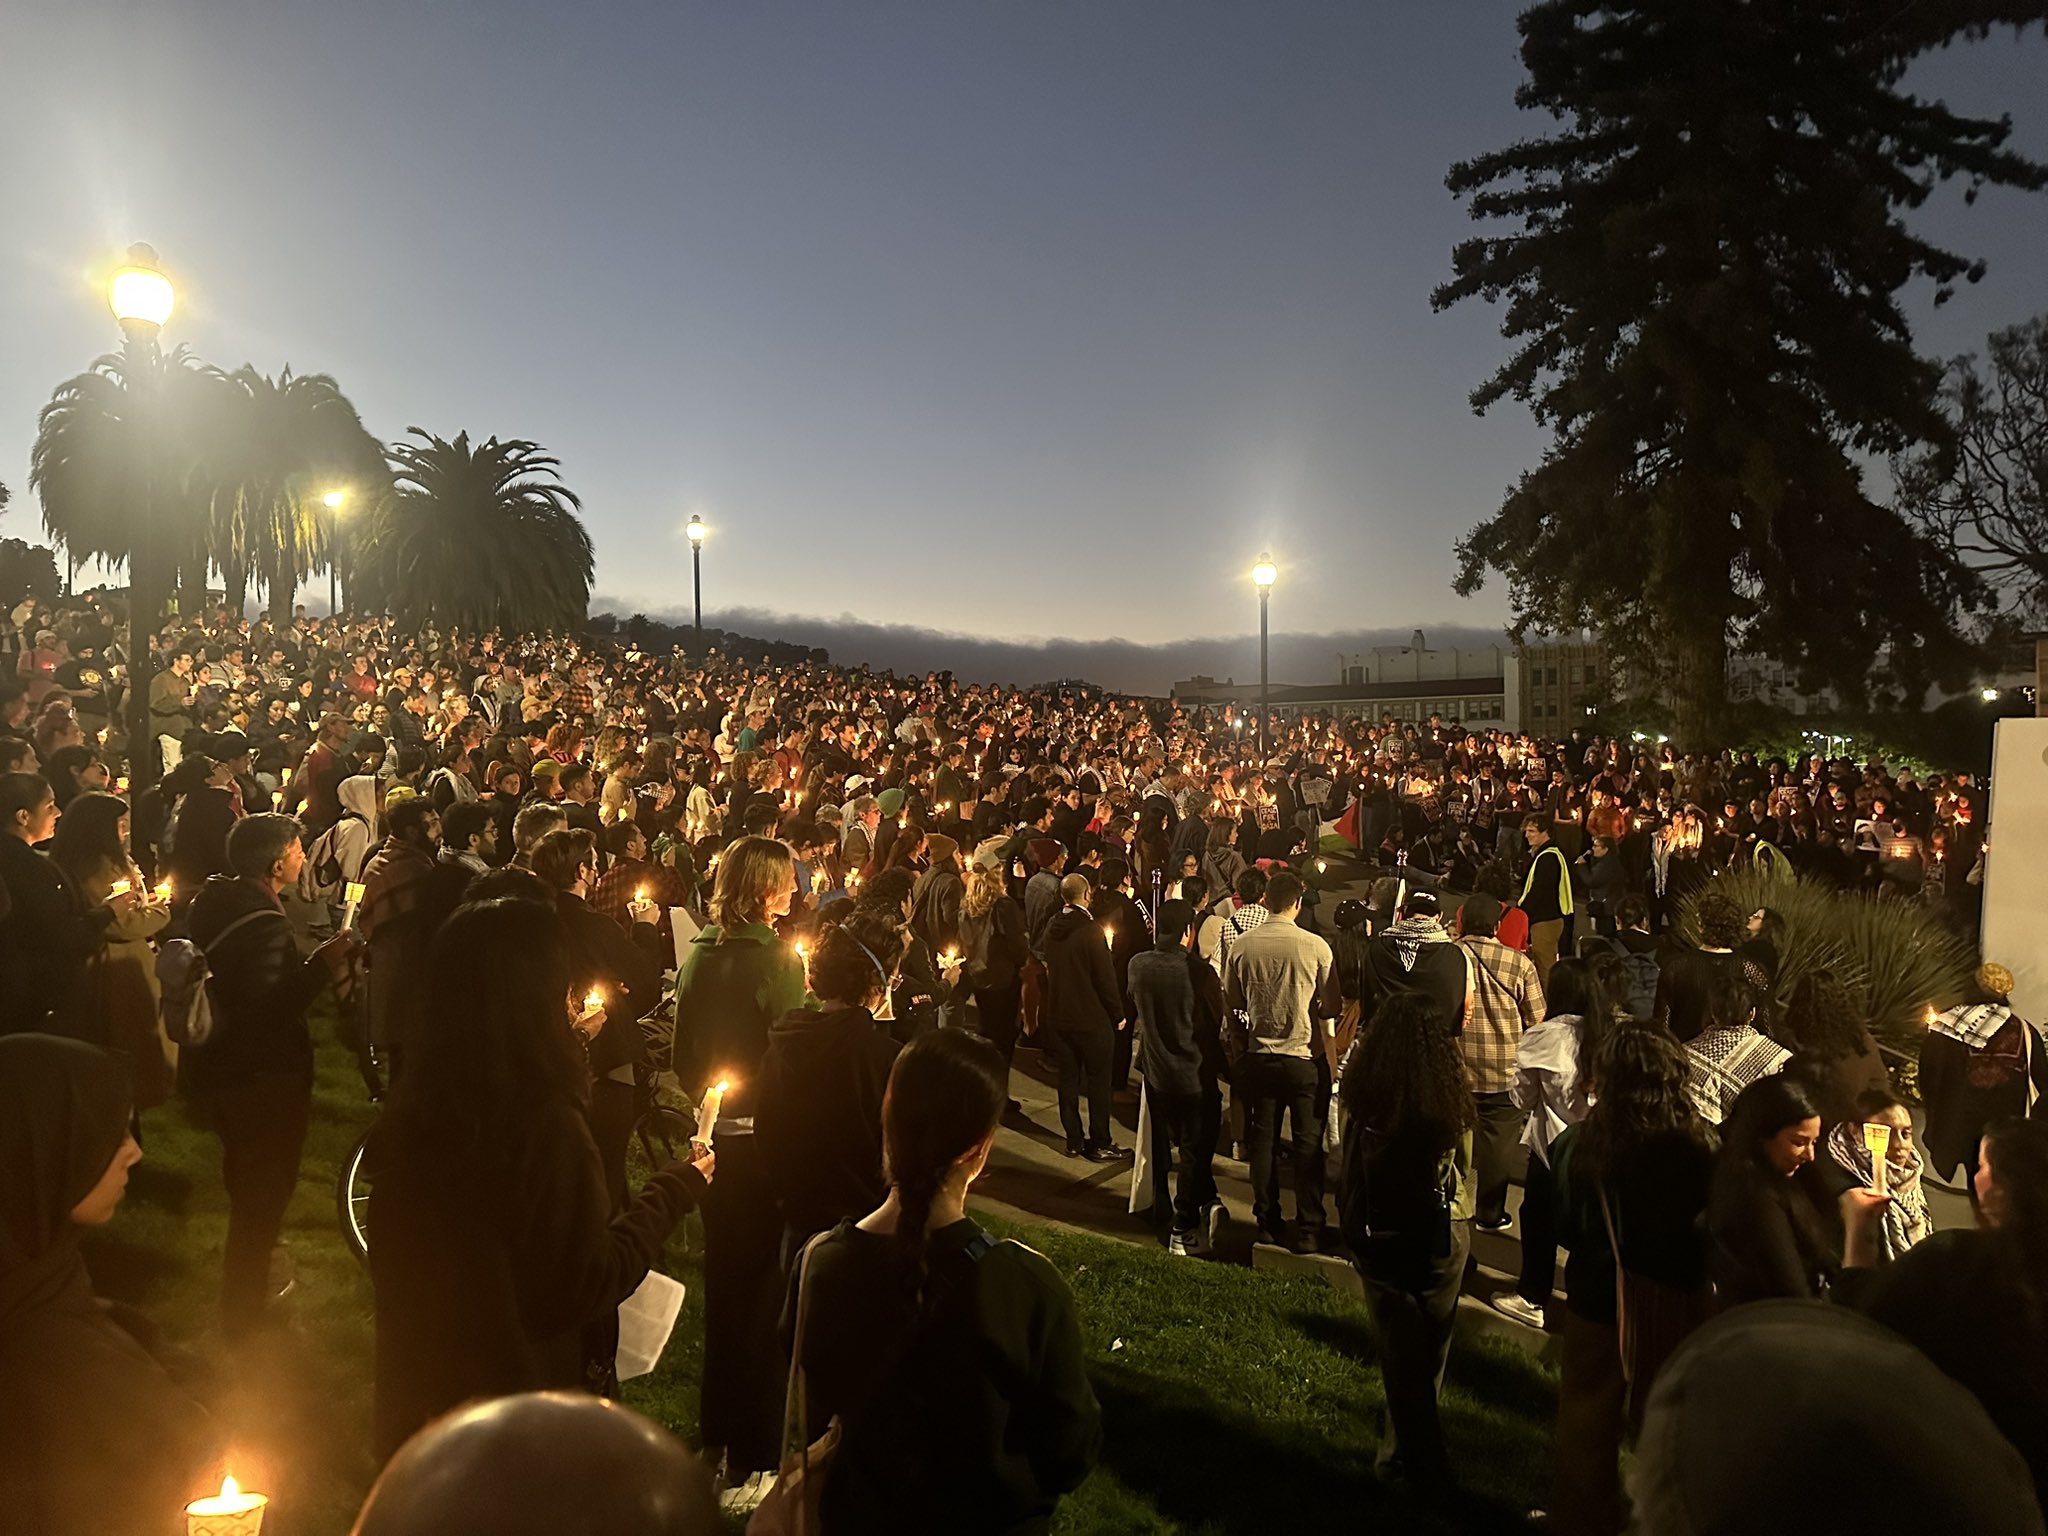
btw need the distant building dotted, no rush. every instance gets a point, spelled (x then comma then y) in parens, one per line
(1558, 684)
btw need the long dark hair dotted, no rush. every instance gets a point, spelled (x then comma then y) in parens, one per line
(1762, 1110)
(1405, 1077)
(1638, 1076)
(2018, 1153)
(946, 1093)
(88, 837)
(494, 1043)
(1575, 990)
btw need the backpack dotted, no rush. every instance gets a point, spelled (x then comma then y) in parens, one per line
(183, 977)
(1642, 973)
(977, 935)
(323, 878)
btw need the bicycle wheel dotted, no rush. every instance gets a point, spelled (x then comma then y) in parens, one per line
(352, 1201)
(663, 1134)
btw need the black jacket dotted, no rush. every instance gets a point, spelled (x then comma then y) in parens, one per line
(968, 1414)
(818, 1115)
(1080, 978)
(487, 1276)
(260, 990)
(603, 957)
(1163, 999)
(994, 946)
(47, 937)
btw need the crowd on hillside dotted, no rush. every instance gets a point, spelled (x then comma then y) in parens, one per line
(874, 891)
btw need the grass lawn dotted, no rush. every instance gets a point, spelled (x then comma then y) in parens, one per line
(1235, 1401)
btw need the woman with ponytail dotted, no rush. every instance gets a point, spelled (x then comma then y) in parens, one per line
(953, 1362)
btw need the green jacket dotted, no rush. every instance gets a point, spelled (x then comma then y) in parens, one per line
(731, 988)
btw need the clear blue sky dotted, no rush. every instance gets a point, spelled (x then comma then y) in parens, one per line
(1010, 319)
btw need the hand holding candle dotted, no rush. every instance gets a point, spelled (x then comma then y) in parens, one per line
(707, 1111)
(592, 1018)
(1877, 1137)
(352, 895)
(231, 1512)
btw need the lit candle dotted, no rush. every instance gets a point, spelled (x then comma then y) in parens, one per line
(121, 888)
(121, 785)
(641, 894)
(230, 1512)
(352, 896)
(592, 1002)
(820, 882)
(163, 890)
(1109, 936)
(1878, 1138)
(707, 1111)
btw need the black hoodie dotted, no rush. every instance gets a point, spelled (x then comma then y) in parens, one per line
(1080, 977)
(818, 1114)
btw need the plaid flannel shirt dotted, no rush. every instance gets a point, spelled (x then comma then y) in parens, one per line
(1504, 998)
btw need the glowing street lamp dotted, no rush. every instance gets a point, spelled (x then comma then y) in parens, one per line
(696, 531)
(1264, 574)
(141, 298)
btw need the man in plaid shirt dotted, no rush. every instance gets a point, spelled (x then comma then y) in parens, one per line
(1503, 998)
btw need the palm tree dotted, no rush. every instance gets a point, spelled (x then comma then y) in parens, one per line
(280, 445)
(477, 538)
(92, 454)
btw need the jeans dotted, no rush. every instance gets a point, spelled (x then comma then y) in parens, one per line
(1539, 1234)
(261, 1123)
(1412, 1308)
(1000, 1009)
(1298, 1087)
(1494, 1145)
(1177, 1120)
(1084, 1055)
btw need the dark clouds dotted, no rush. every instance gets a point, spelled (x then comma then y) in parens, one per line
(1122, 665)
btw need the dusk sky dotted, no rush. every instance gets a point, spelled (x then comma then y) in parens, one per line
(1017, 320)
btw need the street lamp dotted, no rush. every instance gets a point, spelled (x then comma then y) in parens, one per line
(334, 501)
(141, 298)
(696, 531)
(1264, 574)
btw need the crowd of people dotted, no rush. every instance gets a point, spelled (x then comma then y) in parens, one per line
(873, 892)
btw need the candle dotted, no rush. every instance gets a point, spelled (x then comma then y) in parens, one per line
(230, 1512)
(820, 881)
(1109, 935)
(707, 1110)
(352, 895)
(1878, 1138)
(121, 888)
(163, 890)
(121, 785)
(592, 1002)
(641, 894)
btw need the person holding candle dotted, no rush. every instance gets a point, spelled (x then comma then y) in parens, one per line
(48, 935)
(98, 1438)
(498, 1243)
(625, 968)
(1853, 1161)
(993, 952)
(818, 1115)
(737, 979)
(1084, 1009)
(115, 1005)
(254, 1077)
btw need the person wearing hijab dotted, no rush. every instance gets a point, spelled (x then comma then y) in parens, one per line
(97, 1438)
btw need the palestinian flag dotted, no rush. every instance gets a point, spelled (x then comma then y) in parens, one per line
(1341, 834)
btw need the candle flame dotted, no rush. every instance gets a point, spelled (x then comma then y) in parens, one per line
(229, 1488)
(593, 1002)
(721, 1086)
(163, 890)
(641, 894)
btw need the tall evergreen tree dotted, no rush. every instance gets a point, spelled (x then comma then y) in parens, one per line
(1702, 269)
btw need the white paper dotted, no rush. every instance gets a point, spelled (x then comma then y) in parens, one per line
(1141, 1163)
(685, 929)
(646, 1319)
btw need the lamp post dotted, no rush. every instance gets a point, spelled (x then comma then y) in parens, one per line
(1264, 574)
(334, 501)
(696, 531)
(141, 299)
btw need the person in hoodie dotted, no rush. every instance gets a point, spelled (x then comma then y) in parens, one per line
(1178, 1001)
(818, 1094)
(1084, 1009)
(393, 919)
(336, 859)
(1416, 954)
(254, 1075)
(98, 1437)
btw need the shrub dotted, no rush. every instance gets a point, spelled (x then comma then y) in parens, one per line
(1893, 955)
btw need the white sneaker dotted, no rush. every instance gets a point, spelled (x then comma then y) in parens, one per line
(1178, 1244)
(744, 1498)
(1520, 1308)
